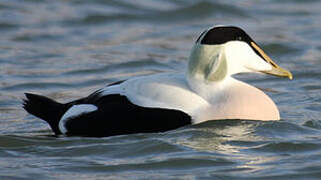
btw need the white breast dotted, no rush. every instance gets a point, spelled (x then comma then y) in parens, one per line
(238, 100)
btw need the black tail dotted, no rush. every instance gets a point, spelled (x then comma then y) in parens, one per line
(46, 109)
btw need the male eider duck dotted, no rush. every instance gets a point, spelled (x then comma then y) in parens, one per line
(165, 101)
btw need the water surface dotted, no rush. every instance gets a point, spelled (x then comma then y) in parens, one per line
(67, 49)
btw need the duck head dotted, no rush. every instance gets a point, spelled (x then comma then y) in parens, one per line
(223, 51)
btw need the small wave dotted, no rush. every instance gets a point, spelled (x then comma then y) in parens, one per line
(187, 12)
(37, 37)
(148, 64)
(7, 26)
(288, 147)
(280, 49)
(283, 129)
(315, 124)
(35, 85)
(308, 75)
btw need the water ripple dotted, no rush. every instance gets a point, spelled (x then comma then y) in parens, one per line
(188, 12)
(287, 147)
(67, 49)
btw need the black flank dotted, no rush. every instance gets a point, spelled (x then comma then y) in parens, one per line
(116, 115)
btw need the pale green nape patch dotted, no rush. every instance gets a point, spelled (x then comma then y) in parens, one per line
(207, 62)
(218, 69)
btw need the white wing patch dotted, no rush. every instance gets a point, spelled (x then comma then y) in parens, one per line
(166, 90)
(74, 111)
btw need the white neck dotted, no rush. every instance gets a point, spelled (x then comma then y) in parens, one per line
(207, 69)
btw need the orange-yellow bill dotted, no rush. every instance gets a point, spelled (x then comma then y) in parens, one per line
(276, 69)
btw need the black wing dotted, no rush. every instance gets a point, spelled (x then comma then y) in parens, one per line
(116, 115)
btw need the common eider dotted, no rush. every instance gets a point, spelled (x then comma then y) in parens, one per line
(205, 91)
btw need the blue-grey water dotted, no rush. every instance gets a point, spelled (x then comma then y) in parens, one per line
(66, 49)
